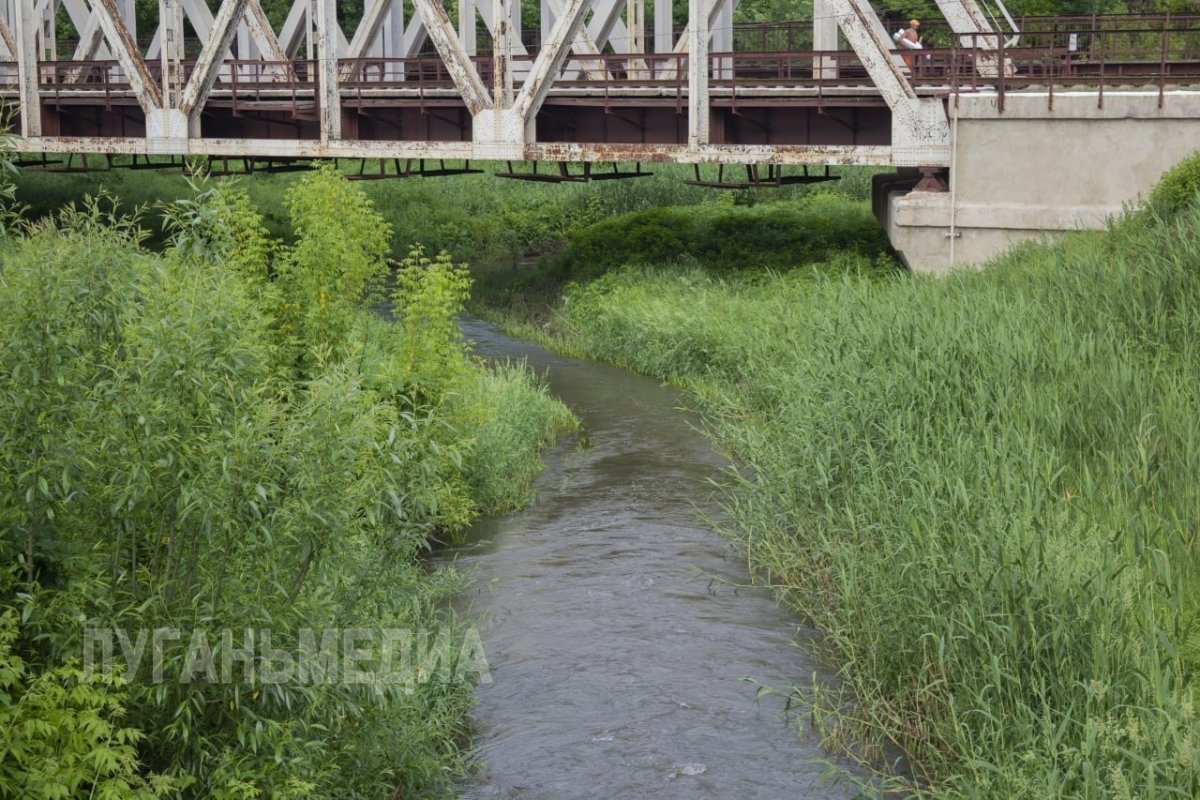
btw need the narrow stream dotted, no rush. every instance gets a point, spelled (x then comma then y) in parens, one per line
(618, 627)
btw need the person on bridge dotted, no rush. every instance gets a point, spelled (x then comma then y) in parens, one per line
(909, 40)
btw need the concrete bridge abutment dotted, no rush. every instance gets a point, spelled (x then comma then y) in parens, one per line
(1035, 167)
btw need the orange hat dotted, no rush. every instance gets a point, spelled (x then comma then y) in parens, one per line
(915, 23)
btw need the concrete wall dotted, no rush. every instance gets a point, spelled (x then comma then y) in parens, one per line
(1035, 170)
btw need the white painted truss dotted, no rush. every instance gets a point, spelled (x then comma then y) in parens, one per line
(577, 40)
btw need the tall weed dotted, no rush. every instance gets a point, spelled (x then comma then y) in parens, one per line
(982, 488)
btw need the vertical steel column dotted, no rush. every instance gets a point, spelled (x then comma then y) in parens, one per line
(635, 25)
(721, 39)
(502, 77)
(467, 26)
(49, 47)
(310, 35)
(825, 35)
(327, 71)
(27, 69)
(546, 21)
(697, 73)
(664, 23)
(391, 34)
(514, 32)
(128, 10)
(170, 14)
(635, 29)
(243, 49)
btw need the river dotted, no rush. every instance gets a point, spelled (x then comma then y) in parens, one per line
(625, 646)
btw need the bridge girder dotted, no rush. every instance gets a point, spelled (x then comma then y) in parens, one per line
(502, 119)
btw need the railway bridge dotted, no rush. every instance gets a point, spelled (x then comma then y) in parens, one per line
(998, 130)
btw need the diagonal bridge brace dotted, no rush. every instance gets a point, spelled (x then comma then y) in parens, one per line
(920, 131)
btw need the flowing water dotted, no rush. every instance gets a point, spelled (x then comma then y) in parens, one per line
(623, 643)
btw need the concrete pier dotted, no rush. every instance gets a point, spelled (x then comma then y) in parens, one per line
(1038, 167)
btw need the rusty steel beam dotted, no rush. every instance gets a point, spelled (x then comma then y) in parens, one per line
(489, 15)
(862, 155)
(201, 18)
(195, 94)
(549, 61)
(684, 44)
(124, 49)
(713, 8)
(466, 27)
(458, 64)
(974, 31)
(296, 29)
(502, 73)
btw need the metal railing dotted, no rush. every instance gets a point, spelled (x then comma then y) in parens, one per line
(1054, 54)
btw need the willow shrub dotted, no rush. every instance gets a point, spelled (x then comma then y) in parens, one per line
(983, 488)
(212, 438)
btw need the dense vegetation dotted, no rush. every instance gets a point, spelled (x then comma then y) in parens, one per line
(983, 489)
(220, 437)
(475, 217)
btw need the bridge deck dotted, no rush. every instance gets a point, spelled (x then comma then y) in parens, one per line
(797, 106)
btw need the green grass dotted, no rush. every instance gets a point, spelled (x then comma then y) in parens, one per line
(473, 217)
(822, 230)
(984, 489)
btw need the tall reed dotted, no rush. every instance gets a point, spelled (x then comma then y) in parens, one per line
(984, 489)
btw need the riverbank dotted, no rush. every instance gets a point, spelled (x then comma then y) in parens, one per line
(983, 489)
(219, 472)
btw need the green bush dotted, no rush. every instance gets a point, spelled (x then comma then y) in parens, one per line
(1177, 188)
(184, 448)
(60, 732)
(475, 218)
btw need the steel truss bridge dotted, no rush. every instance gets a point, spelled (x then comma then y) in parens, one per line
(590, 81)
